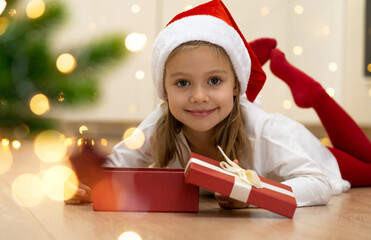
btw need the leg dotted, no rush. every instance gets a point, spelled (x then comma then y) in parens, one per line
(344, 133)
(357, 172)
(262, 48)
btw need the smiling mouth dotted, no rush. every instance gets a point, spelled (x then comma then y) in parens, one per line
(201, 113)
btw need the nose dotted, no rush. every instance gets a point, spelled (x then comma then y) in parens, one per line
(199, 94)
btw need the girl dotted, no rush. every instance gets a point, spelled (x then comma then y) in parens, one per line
(208, 77)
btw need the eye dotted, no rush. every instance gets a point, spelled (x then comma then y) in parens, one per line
(182, 83)
(214, 81)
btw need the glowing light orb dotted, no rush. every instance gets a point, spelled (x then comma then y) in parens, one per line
(39, 104)
(104, 142)
(287, 104)
(326, 142)
(135, 8)
(28, 190)
(60, 183)
(264, 11)
(326, 30)
(134, 138)
(66, 63)
(369, 67)
(50, 146)
(16, 144)
(82, 129)
(330, 92)
(135, 41)
(5, 142)
(298, 9)
(139, 74)
(2, 6)
(4, 23)
(297, 50)
(332, 67)
(35, 9)
(129, 235)
(6, 159)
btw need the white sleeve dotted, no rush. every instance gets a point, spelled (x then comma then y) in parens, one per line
(287, 151)
(124, 156)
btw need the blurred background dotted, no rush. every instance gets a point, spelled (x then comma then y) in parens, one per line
(84, 66)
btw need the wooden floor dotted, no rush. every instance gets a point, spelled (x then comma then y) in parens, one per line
(347, 216)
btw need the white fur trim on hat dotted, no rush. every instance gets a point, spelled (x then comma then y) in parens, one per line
(204, 28)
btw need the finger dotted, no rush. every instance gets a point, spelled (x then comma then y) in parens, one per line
(72, 201)
(236, 161)
(221, 197)
(85, 187)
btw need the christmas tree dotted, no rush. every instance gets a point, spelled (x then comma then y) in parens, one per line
(34, 78)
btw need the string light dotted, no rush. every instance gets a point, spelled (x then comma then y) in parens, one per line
(16, 144)
(83, 129)
(5, 142)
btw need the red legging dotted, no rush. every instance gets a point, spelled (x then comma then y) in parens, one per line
(351, 147)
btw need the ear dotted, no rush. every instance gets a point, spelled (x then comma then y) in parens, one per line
(236, 88)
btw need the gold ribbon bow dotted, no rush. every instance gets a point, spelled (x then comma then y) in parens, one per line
(248, 176)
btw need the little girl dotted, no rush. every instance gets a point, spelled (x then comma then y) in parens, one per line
(208, 76)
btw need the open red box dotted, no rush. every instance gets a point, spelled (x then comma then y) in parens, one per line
(144, 190)
(274, 196)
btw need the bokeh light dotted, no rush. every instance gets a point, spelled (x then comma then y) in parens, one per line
(66, 63)
(83, 129)
(16, 144)
(135, 41)
(135, 8)
(330, 92)
(60, 183)
(369, 67)
(298, 9)
(5, 142)
(326, 141)
(139, 74)
(297, 50)
(103, 141)
(50, 146)
(2, 6)
(264, 11)
(332, 67)
(6, 159)
(28, 190)
(326, 30)
(4, 23)
(21, 131)
(133, 109)
(35, 9)
(287, 104)
(39, 104)
(134, 138)
(129, 235)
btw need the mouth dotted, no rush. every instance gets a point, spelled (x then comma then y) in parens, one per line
(201, 113)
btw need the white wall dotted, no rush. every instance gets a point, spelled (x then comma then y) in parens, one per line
(327, 31)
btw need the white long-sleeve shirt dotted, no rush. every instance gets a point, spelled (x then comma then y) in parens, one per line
(283, 150)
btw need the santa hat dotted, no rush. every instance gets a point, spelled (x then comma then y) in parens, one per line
(210, 22)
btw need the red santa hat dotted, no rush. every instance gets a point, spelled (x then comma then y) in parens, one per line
(210, 22)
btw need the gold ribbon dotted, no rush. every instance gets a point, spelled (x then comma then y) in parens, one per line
(248, 176)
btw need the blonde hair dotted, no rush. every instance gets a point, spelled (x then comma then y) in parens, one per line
(229, 134)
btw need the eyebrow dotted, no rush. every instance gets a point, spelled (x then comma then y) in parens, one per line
(217, 71)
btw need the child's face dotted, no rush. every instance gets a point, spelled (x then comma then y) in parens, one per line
(200, 85)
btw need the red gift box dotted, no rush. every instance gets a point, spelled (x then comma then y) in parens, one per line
(273, 196)
(144, 190)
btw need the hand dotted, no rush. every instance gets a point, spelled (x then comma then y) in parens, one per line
(82, 195)
(227, 202)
